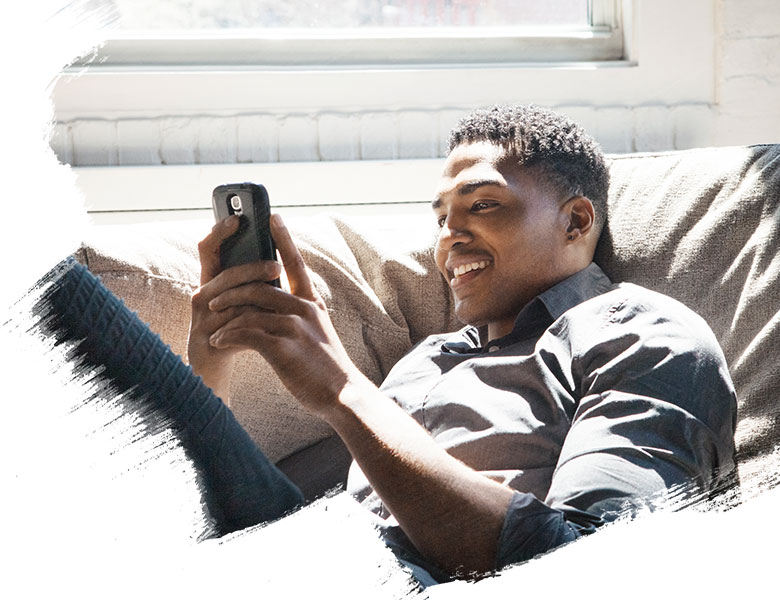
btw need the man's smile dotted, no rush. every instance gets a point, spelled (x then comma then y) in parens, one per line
(466, 268)
(463, 269)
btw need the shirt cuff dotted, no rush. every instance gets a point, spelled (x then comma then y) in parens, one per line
(532, 528)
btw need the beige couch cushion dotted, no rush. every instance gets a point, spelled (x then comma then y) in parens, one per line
(380, 285)
(702, 227)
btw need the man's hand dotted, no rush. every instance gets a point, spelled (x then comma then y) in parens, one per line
(291, 330)
(213, 364)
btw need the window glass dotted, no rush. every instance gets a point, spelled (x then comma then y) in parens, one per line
(305, 14)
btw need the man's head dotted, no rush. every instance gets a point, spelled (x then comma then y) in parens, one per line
(559, 152)
(520, 205)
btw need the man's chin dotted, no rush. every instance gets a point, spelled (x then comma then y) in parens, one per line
(469, 317)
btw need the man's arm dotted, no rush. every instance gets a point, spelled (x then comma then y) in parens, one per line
(452, 514)
(656, 414)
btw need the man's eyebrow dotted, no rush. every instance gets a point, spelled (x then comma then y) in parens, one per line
(470, 187)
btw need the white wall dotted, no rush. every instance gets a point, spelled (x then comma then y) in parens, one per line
(748, 93)
(700, 73)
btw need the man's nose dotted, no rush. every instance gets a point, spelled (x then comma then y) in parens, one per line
(453, 232)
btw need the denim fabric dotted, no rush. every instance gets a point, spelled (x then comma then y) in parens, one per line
(243, 488)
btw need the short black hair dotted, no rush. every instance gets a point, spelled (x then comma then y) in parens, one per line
(564, 155)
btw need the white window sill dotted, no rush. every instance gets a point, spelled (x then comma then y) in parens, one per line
(395, 189)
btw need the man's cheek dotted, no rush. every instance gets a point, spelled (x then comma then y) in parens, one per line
(440, 262)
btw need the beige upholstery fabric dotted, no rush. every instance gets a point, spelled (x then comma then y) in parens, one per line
(699, 225)
(702, 227)
(381, 288)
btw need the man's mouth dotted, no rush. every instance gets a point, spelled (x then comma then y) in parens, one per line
(475, 266)
(465, 272)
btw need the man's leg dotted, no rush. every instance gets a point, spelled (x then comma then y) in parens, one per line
(243, 487)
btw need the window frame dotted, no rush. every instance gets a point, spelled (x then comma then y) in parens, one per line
(345, 49)
(669, 62)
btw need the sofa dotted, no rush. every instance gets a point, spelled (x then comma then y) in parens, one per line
(699, 225)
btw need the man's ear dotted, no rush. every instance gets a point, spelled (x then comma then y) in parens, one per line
(580, 216)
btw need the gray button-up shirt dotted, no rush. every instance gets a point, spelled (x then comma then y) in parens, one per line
(603, 396)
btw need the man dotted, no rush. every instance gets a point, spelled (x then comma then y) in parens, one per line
(566, 400)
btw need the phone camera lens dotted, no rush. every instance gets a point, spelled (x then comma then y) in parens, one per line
(235, 203)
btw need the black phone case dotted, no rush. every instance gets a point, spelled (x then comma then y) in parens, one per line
(252, 241)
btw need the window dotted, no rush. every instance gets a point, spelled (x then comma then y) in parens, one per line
(290, 34)
(304, 14)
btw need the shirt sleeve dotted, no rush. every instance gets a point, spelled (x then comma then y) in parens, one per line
(655, 414)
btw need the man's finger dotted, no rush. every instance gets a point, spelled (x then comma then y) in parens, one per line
(208, 247)
(260, 271)
(260, 295)
(297, 275)
(213, 320)
(252, 324)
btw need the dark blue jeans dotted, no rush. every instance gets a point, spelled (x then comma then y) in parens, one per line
(243, 487)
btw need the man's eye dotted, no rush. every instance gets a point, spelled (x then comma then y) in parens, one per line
(482, 205)
(440, 221)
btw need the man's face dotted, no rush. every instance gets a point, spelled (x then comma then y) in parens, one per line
(501, 236)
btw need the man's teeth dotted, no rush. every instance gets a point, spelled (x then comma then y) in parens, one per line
(463, 269)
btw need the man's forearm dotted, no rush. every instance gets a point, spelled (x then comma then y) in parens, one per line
(217, 379)
(452, 514)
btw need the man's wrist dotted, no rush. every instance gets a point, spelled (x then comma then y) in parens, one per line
(346, 403)
(218, 379)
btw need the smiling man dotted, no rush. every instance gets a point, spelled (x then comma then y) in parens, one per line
(507, 234)
(564, 402)
(583, 398)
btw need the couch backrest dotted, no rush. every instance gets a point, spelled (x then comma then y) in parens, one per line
(698, 225)
(703, 226)
(380, 284)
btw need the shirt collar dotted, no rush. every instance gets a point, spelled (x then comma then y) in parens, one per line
(540, 312)
(583, 285)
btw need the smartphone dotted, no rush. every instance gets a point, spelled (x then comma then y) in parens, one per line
(252, 241)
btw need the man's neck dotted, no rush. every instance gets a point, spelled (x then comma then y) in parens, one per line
(496, 330)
